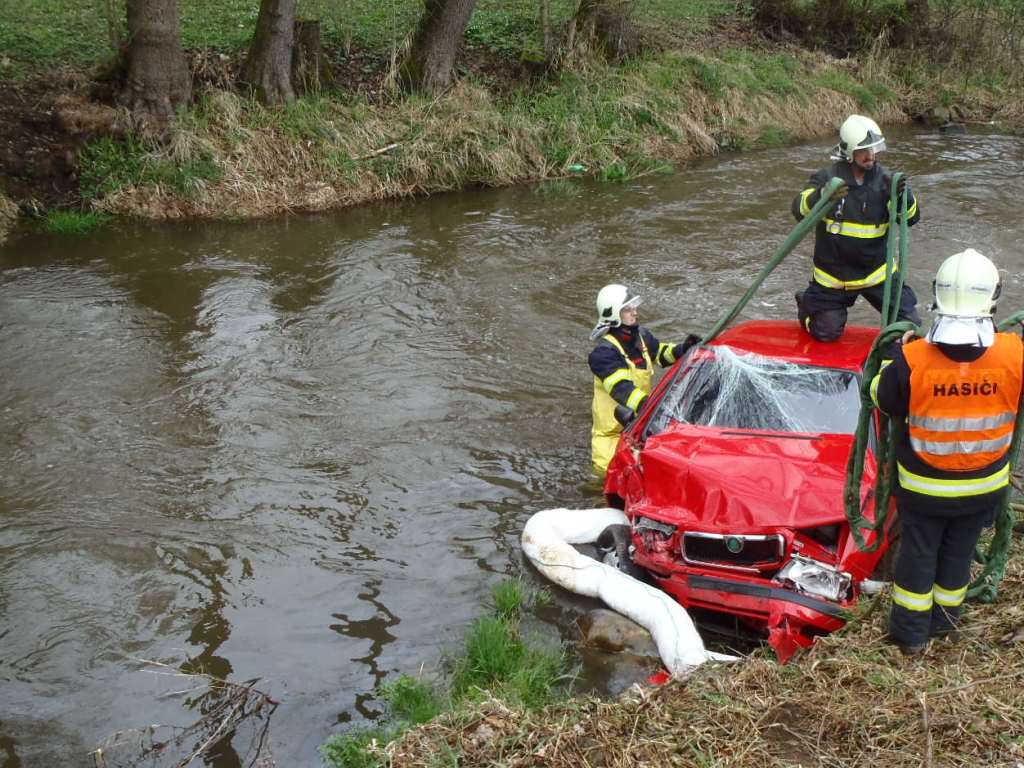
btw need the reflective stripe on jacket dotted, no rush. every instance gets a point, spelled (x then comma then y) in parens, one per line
(604, 435)
(850, 241)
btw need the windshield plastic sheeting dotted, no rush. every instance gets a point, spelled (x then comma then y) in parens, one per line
(723, 388)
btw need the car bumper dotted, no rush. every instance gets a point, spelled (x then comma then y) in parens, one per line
(791, 620)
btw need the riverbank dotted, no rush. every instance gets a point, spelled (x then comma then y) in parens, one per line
(66, 148)
(851, 700)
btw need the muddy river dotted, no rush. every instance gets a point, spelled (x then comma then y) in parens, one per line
(301, 451)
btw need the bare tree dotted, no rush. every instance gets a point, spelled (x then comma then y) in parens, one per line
(268, 67)
(158, 80)
(428, 65)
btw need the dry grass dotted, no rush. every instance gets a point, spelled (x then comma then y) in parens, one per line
(8, 216)
(850, 701)
(325, 153)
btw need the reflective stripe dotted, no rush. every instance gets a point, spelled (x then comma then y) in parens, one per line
(949, 597)
(912, 601)
(931, 486)
(935, 424)
(805, 209)
(878, 276)
(614, 378)
(635, 397)
(855, 229)
(910, 211)
(874, 382)
(948, 448)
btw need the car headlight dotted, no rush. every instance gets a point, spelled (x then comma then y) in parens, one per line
(815, 578)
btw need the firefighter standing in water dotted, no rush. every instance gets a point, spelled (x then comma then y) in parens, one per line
(953, 397)
(622, 364)
(850, 241)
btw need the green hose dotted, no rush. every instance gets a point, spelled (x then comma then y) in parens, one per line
(861, 527)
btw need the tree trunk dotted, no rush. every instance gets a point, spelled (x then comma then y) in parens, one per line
(268, 67)
(431, 59)
(158, 80)
(606, 26)
(308, 70)
(545, 30)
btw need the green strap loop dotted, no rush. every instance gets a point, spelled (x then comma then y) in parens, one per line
(861, 527)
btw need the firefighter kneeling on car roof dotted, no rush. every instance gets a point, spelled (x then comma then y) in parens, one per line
(953, 398)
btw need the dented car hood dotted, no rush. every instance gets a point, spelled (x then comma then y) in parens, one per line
(731, 480)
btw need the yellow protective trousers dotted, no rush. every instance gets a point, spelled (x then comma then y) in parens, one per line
(604, 435)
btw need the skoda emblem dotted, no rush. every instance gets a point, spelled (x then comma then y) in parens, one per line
(734, 544)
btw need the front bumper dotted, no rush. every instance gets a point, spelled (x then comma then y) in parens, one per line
(791, 620)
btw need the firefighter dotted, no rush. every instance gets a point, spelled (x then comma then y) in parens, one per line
(623, 368)
(850, 241)
(953, 397)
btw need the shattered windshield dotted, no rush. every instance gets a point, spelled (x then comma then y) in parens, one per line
(722, 387)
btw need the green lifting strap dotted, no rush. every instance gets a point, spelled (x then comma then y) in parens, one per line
(865, 530)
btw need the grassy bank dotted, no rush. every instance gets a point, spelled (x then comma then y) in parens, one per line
(496, 663)
(850, 701)
(704, 84)
(233, 157)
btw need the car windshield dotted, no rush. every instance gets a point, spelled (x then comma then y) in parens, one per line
(723, 387)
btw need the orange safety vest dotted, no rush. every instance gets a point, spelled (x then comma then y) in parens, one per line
(962, 415)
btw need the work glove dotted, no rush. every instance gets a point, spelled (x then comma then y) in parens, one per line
(901, 185)
(680, 349)
(624, 415)
(841, 191)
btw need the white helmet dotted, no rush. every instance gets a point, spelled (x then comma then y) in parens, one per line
(611, 300)
(966, 288)
(859, 132)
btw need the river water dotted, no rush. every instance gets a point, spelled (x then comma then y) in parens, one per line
(303, 450)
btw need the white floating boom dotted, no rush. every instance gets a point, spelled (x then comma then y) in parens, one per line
(546, 541)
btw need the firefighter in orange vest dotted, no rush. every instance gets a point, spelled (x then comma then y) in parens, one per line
(953, 397)
(623, 368)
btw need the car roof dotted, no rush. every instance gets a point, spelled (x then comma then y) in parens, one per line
(786, 340)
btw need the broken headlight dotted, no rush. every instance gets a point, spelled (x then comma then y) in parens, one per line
(815, 578)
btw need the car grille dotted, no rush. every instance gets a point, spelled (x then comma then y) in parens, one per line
(745, 551)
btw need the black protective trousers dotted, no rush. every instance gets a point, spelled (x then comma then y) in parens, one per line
(934, 551)
(822, 311)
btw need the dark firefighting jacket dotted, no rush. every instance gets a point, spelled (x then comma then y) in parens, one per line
(850, 241)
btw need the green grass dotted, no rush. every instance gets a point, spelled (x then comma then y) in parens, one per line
(868, 95)
(44, 32)
(495, 660)
(74, 222)
(773, 137)
(107, 165)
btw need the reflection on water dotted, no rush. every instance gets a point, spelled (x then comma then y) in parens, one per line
(301, 452)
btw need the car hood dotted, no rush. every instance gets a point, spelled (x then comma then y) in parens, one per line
(738, 480)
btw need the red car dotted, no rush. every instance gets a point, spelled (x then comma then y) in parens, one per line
(732, 479)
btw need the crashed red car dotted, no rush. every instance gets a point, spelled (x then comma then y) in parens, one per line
(732, 479)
